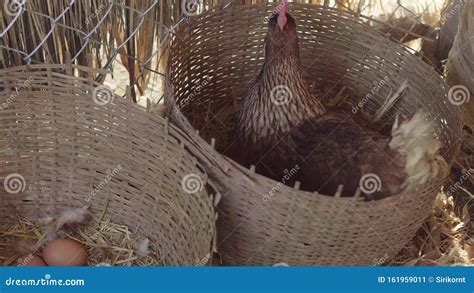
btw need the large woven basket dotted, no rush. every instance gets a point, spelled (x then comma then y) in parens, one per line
(214, 59)
(58, 146)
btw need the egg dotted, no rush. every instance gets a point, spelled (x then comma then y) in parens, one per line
(30, 260)
(64, 252)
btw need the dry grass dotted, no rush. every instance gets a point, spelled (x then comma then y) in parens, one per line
(94, 32)
(107, 243)
(443, 240)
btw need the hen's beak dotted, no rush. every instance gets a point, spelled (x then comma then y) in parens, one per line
(282, 20)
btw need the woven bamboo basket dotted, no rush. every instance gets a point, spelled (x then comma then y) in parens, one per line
(261, 222)
(59, 145)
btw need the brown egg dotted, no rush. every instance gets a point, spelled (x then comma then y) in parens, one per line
(30, 260)
(64, 252)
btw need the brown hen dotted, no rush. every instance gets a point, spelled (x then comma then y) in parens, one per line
(282, 126)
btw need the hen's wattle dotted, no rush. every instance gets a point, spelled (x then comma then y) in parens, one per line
(281, 125)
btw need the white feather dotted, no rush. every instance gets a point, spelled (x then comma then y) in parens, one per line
(45, 221)
(143, 247)
(72, 216)
(416, 139)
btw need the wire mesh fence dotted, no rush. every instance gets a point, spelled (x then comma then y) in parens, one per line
(132, 38)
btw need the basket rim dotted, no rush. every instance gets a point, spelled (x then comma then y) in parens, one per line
(239, 7)
(227, 165)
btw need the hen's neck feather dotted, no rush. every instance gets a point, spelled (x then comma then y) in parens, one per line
(261, 118)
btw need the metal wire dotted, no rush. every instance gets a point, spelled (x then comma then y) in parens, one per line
(89, 40)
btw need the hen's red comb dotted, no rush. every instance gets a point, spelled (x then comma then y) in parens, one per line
(282, 10)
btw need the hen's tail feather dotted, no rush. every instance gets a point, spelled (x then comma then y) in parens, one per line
(416, 140)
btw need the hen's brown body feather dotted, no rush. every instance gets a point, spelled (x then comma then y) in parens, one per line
(333, 149)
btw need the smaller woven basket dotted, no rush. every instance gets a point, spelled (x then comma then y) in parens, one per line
(63, 135)
(215, 57)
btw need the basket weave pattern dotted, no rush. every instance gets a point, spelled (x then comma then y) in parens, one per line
(64, 144)
(216, 56)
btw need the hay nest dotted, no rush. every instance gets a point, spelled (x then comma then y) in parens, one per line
(69, 142)
(262, 222)
(107, 243)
